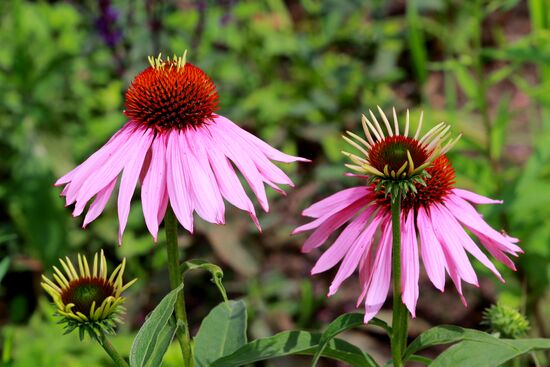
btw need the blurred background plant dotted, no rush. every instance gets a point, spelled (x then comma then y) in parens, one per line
(297, 73)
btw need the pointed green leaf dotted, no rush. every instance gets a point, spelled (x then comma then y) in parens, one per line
(490, 352)
(444, 334)
(295, 342)
(340, 324)
(153, 332)
(164, 340)
(221, 333)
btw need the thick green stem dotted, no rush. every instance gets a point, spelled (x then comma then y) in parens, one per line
(399, 319)
(171, 227)
(111, 351)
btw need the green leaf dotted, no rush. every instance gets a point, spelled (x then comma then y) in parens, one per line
(417, 43)
(490, 352)
(500, 125)
(221, 333)
(295, 342)
(444, 334)
(164, 340)
(340, 324)
(4, 265)
(153, 332)
(215, 270)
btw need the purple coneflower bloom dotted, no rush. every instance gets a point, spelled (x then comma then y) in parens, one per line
(432, 220)
(180, 150)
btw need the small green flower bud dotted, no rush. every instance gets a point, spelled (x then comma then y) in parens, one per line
(505, 321)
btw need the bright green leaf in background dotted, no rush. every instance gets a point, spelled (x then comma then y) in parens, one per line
(221, 333)
(155, 332)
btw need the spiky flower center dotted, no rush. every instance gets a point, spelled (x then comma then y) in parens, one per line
(171, 94)
(394, 153)
(439, 182)
(82, 292)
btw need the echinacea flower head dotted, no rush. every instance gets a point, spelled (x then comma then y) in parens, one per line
(394, 160)
(89, 299)
(182, 152)
(433, 219)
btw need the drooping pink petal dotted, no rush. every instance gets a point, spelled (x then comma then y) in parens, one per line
(105, 171)
(456, 230)
(430, 249)
(321, 234)
(271, 173)
(163, 204)
(409, 262)
(336, 202)
(360, 248)
(468, 216)
(228, 182)
(340, 247)
(242, 160)
(206, 195)
(365, 267)
(494, 250)
(475, 198)
(268, 150)
(177, 183)
(130, 175)
(97, 206)
(376, 290)
(100, 155)
(453, 270)
(154, 185)
(451, 246)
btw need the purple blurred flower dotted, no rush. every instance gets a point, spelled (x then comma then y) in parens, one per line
(106, 24)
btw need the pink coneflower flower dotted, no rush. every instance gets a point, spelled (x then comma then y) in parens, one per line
(180, 150)
(433, 216)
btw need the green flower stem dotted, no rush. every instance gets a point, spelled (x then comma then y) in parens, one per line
(111, 351)
(399, 319)
(182, 333)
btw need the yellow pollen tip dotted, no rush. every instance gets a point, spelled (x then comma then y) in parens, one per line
(158, 63)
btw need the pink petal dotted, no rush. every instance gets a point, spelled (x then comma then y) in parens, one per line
(361, 247)
(409, 263)
(457, 231)
(320, 235)
(242, 160)
(270, 172)
(340, 247)
(118, 137)
(376, 290)
(494, 250)
(135, 158)
(104, 171)
(101, 199)
(207, 198)
(228, 182)
(430, 249)
(179, 188)
(452, 248)
(468, 216)
(268, 150)
(336, 202)
(475, 198)
(153, 188)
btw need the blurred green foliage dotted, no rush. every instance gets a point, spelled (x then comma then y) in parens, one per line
(297, 73)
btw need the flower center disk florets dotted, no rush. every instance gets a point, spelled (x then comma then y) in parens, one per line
(170, 94)
(438, 183)
(83, 292)
(392, 154)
